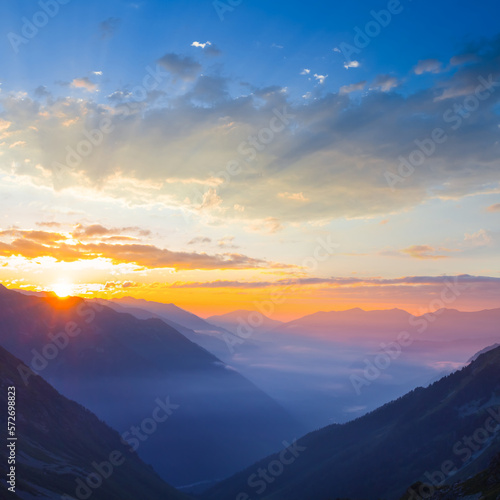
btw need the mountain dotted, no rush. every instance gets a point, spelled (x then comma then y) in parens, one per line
(60, 443)
(169, 311)
(353, 324)
(124, 369)
(214, 339)
(483, 351)
(447, 431)
(234, 320)
(485, 486)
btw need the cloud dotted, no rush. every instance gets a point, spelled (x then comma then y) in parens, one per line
(344, 282)
(423, 252)
(185, 68)
(293, 196)
(84, 83)
(463, 59)
(93, 231)
(321, 78)
(479, 239)
(354, 87)
(385, 83)
(351, 64)
(209, 89)
(199, 239)
(208, 48)
(305, 72)
(227, 242)
(48, 224)
(44, 237)
(333, 149)
(38, 244)
(201, 45)
(428, 66)
(108, 27)
(494, 208)
(268, 225)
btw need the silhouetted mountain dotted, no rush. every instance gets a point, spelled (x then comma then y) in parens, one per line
(357, 323)
(235, 319)
(60, 442)
(451, 427)
(122, 368)
(170, 311)
(212, 338)
(482, 351)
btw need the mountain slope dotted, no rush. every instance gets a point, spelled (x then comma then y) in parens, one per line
(59, 440)
(120, 367)
(170, 311)
(212, 338)
(410, 439)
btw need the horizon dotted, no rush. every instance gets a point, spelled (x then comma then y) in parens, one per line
(284, 318)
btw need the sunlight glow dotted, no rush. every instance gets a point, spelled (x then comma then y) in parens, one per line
(62, 290)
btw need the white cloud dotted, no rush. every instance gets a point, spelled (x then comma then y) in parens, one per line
(351, 64)
(201, 45)
(321, 78)
(305, 71)
(347, 89)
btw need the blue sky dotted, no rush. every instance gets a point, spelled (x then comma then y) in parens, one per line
(158, 179)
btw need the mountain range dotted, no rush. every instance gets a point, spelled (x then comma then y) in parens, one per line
(123, 368)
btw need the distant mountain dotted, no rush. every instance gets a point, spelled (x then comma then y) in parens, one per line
(120, 367)
(60, 442)
(359, 324)
(483, 351)
(169, 311)
(448, 431)
(237, 319)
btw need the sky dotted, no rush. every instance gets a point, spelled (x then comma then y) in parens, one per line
(235, 154)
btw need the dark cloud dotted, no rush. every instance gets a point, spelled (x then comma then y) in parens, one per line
(185, 68)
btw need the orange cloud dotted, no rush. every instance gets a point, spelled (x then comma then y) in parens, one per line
(36, 244)
(423, 252)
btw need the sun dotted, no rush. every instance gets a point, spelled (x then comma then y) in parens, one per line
(62, 290)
